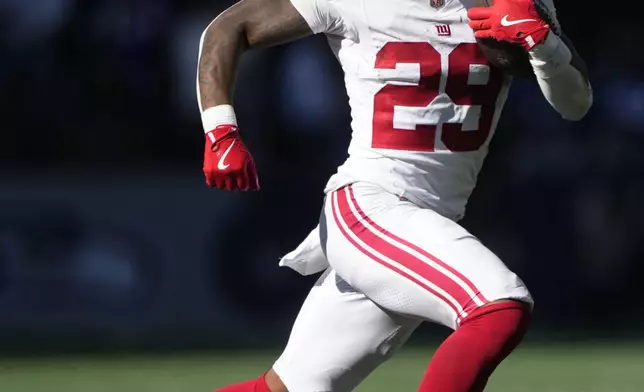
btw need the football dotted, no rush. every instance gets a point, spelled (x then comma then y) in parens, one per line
(511, 59)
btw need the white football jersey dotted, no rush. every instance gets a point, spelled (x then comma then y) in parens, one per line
(424, 100)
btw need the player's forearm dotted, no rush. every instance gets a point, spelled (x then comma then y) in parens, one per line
(568, 93)
(562, 81)
(221, 46)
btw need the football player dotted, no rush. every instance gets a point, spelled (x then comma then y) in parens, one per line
(425, 102)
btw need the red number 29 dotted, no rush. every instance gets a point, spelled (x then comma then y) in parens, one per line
(457, 87)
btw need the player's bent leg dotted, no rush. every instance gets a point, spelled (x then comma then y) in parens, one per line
(411, 260)
(414, 262)
(338, 339)
(465, 361)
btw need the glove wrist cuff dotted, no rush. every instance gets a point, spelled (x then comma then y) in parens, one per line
(216, 116)
(550, 58)
(220, 133)
(537, 37)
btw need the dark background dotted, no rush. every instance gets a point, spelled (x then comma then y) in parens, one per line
(109, 237)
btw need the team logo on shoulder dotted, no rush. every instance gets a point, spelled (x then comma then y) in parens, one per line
(437, 3)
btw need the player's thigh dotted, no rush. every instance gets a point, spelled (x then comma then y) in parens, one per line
(411, 260)
(338, 339)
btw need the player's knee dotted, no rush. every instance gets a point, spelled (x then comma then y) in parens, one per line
(274, 382)
(505, 320)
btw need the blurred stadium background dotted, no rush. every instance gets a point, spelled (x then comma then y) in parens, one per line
(120, 270)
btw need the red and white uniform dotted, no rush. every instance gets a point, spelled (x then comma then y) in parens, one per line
(424, 103)
(424, 100)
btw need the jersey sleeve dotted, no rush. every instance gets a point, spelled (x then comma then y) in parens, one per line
(321, 15)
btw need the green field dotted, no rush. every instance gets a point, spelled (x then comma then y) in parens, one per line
(533, 368)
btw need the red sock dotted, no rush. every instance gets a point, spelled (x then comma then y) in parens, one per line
(465, 361)
(257, 385)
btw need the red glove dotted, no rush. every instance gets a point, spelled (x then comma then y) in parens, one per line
(514, 21)
(227, 163)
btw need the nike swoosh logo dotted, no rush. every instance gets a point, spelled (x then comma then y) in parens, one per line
(222, 164)
(506, 22)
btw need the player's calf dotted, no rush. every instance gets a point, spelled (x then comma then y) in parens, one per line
(269, 382)
(465, 361)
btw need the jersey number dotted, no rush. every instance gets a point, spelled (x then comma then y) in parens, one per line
(457, 87)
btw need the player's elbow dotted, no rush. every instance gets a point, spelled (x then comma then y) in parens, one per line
(225, 28)
(578, 105)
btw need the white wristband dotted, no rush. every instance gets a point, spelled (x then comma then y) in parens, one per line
(218, 115)
(550, 58)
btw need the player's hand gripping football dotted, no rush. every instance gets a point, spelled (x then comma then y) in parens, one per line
(227, 163)
(515, 21)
